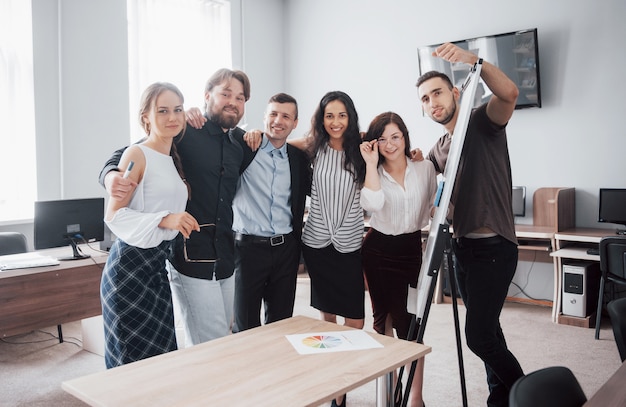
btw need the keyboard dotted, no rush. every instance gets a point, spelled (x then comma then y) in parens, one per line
(26, 260)
(593, 251)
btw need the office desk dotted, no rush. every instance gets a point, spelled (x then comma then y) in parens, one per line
(544, 235)
(40, 297)
(568, 244)
(531, 238)
(573, 243)
(612, 393)
(258, 367)
(541, 238)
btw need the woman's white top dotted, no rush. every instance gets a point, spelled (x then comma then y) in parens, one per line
(396, 210)
(160, 192)
(335, 213)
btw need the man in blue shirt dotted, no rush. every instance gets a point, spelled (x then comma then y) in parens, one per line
(268, 209)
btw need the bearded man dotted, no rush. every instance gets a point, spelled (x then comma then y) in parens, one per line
(202, 277)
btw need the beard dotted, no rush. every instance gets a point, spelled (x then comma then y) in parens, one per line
(450, 115)
(219, 117)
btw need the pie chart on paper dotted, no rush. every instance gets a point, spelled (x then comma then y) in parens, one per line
(322, 341)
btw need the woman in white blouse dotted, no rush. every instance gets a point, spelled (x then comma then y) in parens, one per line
(135, 292)
(399, 194)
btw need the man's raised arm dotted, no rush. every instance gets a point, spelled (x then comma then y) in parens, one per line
(502, 104)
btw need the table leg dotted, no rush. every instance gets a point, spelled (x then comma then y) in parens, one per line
(558, 285)
(384, 390)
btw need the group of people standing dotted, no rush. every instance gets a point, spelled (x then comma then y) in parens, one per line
(221, 211)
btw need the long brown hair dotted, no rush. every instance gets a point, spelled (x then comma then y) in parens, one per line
(148, 102)
(353, 162)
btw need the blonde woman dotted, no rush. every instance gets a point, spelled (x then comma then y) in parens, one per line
(135, 291)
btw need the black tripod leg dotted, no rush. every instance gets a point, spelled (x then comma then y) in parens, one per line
(418, 323)
(457, 329)
(397, 394)
(421, 328)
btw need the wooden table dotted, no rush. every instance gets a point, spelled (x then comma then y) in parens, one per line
(258, 367)
(40, 297)
(612, 393)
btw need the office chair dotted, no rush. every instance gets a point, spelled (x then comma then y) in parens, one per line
(554, 386)
(617, 313)
(613, 268)
(12, 243)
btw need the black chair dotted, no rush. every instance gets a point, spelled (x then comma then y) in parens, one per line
(613, 268)
(12, 243)
(550, 387)
(617, 313)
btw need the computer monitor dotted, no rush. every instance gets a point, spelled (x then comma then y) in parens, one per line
(612, 207)
(68, 222)
(519, 201)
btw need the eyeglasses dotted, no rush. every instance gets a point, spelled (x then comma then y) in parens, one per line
(395, 140)
(203, 228)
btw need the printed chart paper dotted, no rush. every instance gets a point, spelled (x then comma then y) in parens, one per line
(337, 341)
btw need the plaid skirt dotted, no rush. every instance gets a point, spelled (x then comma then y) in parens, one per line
(136, 304)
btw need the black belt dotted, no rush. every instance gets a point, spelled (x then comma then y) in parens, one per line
(486, 241)
(275, 240)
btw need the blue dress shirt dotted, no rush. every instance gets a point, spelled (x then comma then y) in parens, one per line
(262, 204)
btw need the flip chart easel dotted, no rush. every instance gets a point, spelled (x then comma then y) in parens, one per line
(438, 243)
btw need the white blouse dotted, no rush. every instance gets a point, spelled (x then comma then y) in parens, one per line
(395, 210)
(160, 192)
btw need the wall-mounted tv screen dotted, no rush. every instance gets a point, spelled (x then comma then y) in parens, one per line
(612, 206)
(515, 53)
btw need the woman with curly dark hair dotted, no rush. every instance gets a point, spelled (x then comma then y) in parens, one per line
(333, 232)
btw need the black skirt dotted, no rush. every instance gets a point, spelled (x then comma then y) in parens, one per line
(337, 283)
(391, 264)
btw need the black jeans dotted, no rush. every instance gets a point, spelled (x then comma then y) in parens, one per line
(484, 269)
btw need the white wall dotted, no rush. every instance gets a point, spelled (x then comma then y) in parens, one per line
(81, 85)
(368, 48)
(263, 43)
(81, 92)
(365, 47)
(81, 95)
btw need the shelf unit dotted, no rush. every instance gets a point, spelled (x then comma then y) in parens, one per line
(525, 64)
(537, 238)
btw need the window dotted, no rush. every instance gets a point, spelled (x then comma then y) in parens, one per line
(177, 41)
(18, 183)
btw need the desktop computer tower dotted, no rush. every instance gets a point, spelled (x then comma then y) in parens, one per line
(109, 238)
(581, 282)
